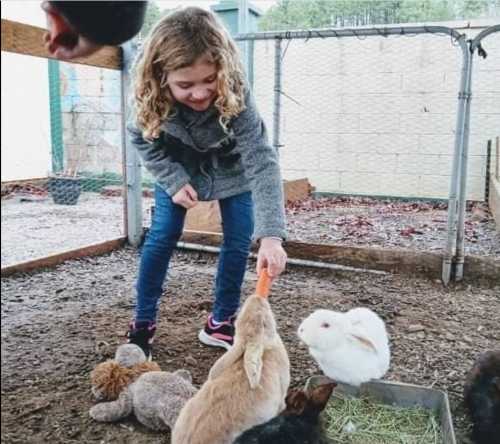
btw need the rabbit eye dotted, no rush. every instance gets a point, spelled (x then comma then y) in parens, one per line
(325, 325)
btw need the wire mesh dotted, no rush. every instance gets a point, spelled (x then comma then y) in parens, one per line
(371, 122)
(75, 198)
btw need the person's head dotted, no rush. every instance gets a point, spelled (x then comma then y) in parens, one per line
(188, 58)
(79, 28)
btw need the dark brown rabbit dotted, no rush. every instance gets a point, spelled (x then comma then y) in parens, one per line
(482, 397)
(299, 423)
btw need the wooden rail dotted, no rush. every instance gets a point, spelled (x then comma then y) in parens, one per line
(25, 39)
(59, 258)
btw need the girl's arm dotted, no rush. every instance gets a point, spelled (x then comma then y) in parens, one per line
(261, 165)
(171, 175)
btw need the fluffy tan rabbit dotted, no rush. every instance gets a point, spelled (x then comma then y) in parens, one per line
(245, 387)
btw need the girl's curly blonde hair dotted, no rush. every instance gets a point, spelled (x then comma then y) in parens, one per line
(176, 42)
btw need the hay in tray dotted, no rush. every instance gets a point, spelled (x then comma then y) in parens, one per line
(364, 421)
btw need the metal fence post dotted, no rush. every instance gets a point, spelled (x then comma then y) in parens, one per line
(131, 161)
(277, 94)
(450, 248)
(243, 18)
(56, 127)
(462, 200)
(462, 191)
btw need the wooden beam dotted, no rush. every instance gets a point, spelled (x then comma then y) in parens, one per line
(409, 262)
(59, 258)
(25, 39)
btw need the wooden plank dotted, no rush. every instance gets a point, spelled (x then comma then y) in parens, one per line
(413, 263)
(484, 268)
(394, 261)
(297, 190)
(25, 39)
(205, 217)
(59, 258)
(497, 158)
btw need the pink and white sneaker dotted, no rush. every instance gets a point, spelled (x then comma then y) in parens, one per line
(218, 334)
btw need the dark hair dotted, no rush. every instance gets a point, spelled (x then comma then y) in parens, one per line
(104, 22)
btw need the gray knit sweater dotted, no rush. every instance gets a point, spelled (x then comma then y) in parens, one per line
(193, 148)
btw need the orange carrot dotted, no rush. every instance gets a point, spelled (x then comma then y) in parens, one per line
(263, 284)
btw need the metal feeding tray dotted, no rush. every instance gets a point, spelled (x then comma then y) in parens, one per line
(401, 395)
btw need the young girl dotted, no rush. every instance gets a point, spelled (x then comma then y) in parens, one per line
(199, 133)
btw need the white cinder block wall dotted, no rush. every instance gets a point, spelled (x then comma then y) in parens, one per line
(377, 115)
(91, 118)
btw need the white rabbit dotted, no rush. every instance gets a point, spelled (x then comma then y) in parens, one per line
(246, 386)
(351, 347)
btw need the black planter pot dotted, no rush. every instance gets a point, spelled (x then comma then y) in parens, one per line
(65, 190)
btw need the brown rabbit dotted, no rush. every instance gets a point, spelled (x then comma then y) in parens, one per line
(298, 424)
(246, 386)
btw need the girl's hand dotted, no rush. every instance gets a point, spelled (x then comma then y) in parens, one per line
(186, 197)
(272, 256)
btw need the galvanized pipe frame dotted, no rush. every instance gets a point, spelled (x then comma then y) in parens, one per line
(380, 31)
(131, 162)
(462, 199)
(458, 164)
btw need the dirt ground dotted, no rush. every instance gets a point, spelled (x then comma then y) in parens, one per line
(58, 324)
(391, 224)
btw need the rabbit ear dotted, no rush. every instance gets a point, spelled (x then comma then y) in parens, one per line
(253, 362)
(226, 360)
(321, 394)
(364, 342)
(295, 401)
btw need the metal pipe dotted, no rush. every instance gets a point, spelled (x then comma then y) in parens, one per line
(485, 32)
(131, 162)
(381, 31)
(277, 94)
(462, 198)
(243, 22)
(450, 247)
(462, 192)
(291, 261)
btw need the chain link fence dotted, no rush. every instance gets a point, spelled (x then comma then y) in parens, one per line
(75, 199)
(370, 119)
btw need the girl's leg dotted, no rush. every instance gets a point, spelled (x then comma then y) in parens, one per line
(237, 227)
(165, 231)
(166, 228)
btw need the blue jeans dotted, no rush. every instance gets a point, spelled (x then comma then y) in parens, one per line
(166, 229)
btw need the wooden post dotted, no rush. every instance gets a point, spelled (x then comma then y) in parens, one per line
(497, 160)
(487, 175)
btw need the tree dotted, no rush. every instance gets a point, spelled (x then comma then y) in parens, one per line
(153, 14)
(304, 14)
